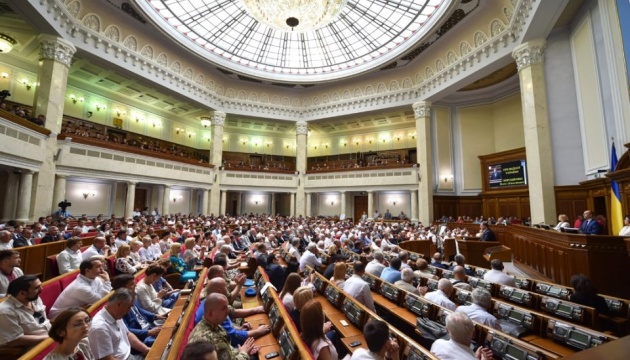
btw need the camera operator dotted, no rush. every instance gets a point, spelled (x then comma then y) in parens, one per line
(63, 212)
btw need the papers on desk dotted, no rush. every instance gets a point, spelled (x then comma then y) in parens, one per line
(267, 284)
(244, 264)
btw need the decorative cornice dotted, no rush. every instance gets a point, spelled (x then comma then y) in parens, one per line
(218, 118)
(422, 109)
(301, 128)
(57, 49)
(529, 53)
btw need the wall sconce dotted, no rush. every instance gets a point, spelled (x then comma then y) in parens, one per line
(89, 114)
(26, 83)
(191, 134)
(326, 145)
(269, 143)
(120, 113)
(86, 194)
(256, 202)
(356, 142)
(208, 139)
(393, 202)
(225, 138)
(398, 137)
(287, 146)
(99, 107)
(74, 98)
(447, 177)
(178, 130)
(4, 75)
(370, 140)
(332, 203)
(138, 119)
(243, 141)
(412, 136)
(345, 143)
(154, 124)
(174, 199)
(205, 121)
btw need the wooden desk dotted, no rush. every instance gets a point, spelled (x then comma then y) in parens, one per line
(383, 301)
(345, 331)
(406, 315)
(347, 340)
(329, 309)
(553, 347)
(160, 344)
(266, 340)
(269, 349)
(250, 302)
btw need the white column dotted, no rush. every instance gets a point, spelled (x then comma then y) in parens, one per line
(10, 196)
(370, 203)
(166, 200)
(343, 203)
(131, 197)
(292, 203)
(530, 63)
(192, 205)
(273, 204)
(309, 203)
(55, 59)
(239, 203)
(223, 202)
(414, 205)
(204, 202)
(160, 197)
(422, 111)
(216, 128)
(24, 196)
(301, 131)
(60, 190)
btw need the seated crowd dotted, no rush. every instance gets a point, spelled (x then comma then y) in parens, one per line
(128, 325)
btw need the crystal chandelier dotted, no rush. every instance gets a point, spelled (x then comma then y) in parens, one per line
(298, 15)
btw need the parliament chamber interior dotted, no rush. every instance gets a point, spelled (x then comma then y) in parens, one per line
(418, 179)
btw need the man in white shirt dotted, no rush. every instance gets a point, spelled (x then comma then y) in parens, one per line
(358, 288)
(98, 248)
(89, 287)
(478, 310)
(496, 274)
(442, 294)
(460, 329)
(9, 270)
(376, 266)
(293, 250)
(309, 258)
(109, 337)
(23, 321)
(380, 345)
(6, 240)
(122, 238)
(70, 258)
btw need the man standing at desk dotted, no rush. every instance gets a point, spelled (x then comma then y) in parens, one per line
(485, 234)
(589, 225)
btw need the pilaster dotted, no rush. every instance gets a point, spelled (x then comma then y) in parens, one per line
(422, 112)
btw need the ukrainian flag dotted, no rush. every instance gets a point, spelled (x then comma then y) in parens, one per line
(616, 217)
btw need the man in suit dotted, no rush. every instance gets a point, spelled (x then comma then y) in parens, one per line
(589, 225)
(388, 215)
(495, 175)
(437, 261)
(274, 271)
(485, 233)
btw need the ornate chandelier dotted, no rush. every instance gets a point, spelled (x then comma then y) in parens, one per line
(298, 15)
(6, 43)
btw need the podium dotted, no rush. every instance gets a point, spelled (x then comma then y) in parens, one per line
(476, 252)
(500, 252)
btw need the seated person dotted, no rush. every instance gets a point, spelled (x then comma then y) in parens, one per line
(358, 288)
(406, 281)
(275, 272)
(210, 330)
(70, 330)
(199, 351)
(149, 299)
(98, 248)
(314, 335)
(70, 258)
(90, 286)
(391, 274)
(290, 285)
(309, 257)
(23, 321)
(437, 261)
(178, 265)
(380, 345)
(125, 264)
(442, 295)
(496, 274)
(9, 270)
(459, 279)
(423, 269)
(461, 261)
(138, 320)
(108, 336)
(586, 294)
(478, 310)
(460, 329)
(376, 266)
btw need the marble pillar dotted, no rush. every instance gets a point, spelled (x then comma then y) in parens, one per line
(166, 200)
(131, 198)
(309, 204)
(343, 204)
(370, 203)
(206, 201)
(301, 133)
(22, 214)
(55, 58)
(273, 204)
(160, 197)
(414, 205)
(10, 196)
(223, 206)
(530, 64)
(239, 203)
(216, 159)
(292, 205)
(60, 189)
(422, 112)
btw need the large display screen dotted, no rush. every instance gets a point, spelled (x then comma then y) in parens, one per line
(513, 173)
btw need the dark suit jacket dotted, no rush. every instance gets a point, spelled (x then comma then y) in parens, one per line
(276, 275)
(487, 235)
(19, 241)
(133, 324)
(47, 239)
(439, 265)
(590, 227)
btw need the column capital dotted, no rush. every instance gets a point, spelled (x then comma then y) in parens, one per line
(56, 49)
(370, 191)
(132, 183)
(301, 128)
(167, 186)
(27, 172)
(59, 176)
(529, 53)
(422, 109)
(218, 118)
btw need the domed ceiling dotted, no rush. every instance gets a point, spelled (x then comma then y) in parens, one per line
(299, 41)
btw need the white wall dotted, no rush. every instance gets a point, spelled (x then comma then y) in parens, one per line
(97, 201)
(181, 204)
(249, 204)
(385, 200)
(324, 206)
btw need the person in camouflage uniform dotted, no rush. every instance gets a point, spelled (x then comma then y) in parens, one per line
(210, 330)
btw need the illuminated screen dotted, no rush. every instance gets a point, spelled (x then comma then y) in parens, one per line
(579, 337)
(517, 295)
(515, 315)
(512, 352)
(564, 308)
(513, 173)
(273, 315)
(286, 345)
(554, 291)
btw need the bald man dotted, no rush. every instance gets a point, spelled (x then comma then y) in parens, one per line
(442, 294)
(210, 330)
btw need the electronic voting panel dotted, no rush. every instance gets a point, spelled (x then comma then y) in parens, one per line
(371, 281)
(288, 349)
(275, 319)
(333, 295)
(390, 291)
(557, 307)
(516, 295)
(417, 306)
(503, 348)
(552, 290)
(478, 283)
(516, 316)
(570, 335)
(318, 283)
(353, 312)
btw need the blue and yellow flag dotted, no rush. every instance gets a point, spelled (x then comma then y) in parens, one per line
(616, 217)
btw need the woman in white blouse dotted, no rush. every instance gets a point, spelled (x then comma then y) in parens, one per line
(563, 222)
(625, 230)
(148, 298)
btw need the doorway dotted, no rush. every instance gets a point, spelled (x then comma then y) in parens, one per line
(360, 206)
(140, 199)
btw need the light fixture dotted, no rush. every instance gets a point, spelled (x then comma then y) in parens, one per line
(191, 134)
(315, 147)
(332, 203)
(225, 138)
(345, 143)
(4, 75)
(74, 98)
(6, 43)
(174, 199)
(138, 119)
(154, 124)
(178, 130)
(412, 135)
(120, 113)
(256, 202)
(26, 83)
(87, 193)
(100, 106)
(398, 137)
(269, 143)
(205, 121)
(89, 114)
(287, 15)
(326, 145)
(393, 202)
(356, 142)
(370, 140)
